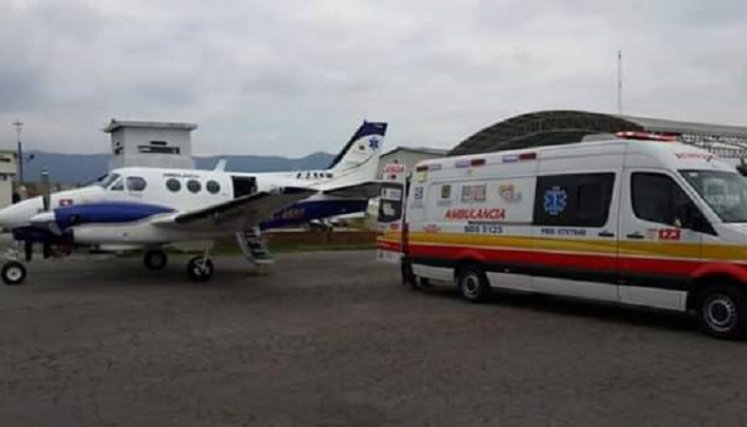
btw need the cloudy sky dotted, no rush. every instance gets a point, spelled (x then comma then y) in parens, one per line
(291, 77)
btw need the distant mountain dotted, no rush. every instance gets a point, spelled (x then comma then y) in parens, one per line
(82, 168)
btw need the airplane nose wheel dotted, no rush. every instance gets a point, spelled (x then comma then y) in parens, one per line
(13, 273)
(155, 259)
(200, 269)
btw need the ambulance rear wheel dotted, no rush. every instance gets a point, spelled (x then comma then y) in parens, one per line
(14, 273)
(200, 269)
(155, 259)
(472, 283)
(722, 312)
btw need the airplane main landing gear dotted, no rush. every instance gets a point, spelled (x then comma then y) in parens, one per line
(200, 268)
(155, 259)
(13, 273)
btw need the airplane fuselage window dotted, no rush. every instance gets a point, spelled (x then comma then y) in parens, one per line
(136, 183)
(212, 187)
(193, 185)
(173, 185)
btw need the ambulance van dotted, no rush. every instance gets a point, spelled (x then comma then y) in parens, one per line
(652, 223)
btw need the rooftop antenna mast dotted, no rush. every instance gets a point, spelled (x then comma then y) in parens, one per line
(19, 128)
(619, 82)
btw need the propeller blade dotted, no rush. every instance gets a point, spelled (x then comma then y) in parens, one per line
(45, 189)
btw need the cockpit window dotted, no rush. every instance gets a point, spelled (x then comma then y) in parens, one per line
(118, 185)
(136, 183)
(106, 180)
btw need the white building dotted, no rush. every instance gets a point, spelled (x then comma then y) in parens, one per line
(151, 144)
(8, 169)
(408, 156)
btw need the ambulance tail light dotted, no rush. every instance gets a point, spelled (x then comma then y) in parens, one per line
(512, 158)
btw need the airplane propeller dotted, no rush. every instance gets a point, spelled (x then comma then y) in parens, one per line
(46, 201)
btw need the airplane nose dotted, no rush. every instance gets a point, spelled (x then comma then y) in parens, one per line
(19, 214)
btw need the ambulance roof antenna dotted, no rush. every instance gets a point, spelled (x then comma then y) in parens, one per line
(619, 83)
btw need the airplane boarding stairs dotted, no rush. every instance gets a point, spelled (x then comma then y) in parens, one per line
(254, 248)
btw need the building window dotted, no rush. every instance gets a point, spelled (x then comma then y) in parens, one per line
(212, 187)
(136, 183)
(193, 186)
(157, 149)
(173, 185)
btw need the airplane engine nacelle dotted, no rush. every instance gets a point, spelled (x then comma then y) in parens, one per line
(143, 233)
(97, 234)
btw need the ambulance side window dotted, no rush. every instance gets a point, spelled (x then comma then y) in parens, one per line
(578, 200)
(658, 198)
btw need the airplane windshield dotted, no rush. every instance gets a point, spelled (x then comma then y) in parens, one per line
(107, 180)
(725, 192)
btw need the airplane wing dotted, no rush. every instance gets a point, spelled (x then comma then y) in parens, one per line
(365, 190)
(251, 208)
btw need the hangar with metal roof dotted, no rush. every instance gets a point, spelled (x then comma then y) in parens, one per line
(567, 126)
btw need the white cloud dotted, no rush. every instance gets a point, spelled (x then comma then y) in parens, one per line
(294, 77)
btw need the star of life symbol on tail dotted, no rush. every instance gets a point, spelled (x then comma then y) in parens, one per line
(373, 143)
(555, 200)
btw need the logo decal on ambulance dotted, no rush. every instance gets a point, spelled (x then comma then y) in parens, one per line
(418, 193)
(509, 193)
(555, 200)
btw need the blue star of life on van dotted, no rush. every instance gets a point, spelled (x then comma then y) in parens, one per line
(555, 200)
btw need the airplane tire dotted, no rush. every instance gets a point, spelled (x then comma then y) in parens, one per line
(200, 269)
(155, 259)
(14, 273)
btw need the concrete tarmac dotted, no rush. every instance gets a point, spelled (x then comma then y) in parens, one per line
(333, 339)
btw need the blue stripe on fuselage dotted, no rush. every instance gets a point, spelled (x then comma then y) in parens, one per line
(305, 211)
(105, 213)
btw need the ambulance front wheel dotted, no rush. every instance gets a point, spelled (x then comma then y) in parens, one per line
(722, 312)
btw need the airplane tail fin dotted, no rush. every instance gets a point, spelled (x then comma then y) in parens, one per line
(359, 159)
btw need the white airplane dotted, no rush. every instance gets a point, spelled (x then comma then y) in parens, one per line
(148, 208)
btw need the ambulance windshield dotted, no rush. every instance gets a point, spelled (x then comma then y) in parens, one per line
(725, 192)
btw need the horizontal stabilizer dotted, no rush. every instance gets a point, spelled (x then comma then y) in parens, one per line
(365, 190)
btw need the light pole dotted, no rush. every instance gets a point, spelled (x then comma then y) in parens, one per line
(19, 128)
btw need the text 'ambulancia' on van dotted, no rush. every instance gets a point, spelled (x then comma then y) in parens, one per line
(648, 223)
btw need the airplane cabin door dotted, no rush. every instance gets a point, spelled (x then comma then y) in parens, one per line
(243, 185)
